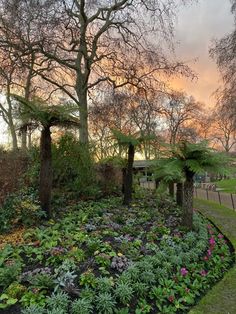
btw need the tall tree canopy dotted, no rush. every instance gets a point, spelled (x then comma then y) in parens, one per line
(224, 52)
(78, 45)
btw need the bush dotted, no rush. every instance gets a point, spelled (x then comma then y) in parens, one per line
(33, 309)
(20, 208)
(73, 167)
(110, 176)
(82, 306)
(58, 301)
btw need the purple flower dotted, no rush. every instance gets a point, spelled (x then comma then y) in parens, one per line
(183, 271)
(212, 241)
(203, 272)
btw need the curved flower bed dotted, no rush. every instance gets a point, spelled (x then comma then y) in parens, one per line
(104, 258)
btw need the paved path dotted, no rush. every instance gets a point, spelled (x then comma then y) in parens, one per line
(221, 299)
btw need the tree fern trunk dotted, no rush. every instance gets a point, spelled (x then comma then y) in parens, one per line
(172, 189)
(188, 201)
(45, 184)
(24, 138)
(179, 194)
(129, 177)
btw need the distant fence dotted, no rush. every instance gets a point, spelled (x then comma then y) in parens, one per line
(222, 198)
(151, 185)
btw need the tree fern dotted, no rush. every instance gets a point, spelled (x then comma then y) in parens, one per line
(188, 159)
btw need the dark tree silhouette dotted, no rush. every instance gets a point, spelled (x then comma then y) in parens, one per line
(46, 116)
(186, 160)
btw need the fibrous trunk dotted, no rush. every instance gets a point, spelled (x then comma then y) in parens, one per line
(171, 189)
(188, 201)
(24, 138)
(129, 176)
(179, 194)
(45, 184)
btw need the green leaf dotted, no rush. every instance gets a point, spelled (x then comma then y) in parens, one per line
(11, 301)
(3, 306)
(4, 296)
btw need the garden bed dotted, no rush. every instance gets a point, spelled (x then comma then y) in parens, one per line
(101, 257)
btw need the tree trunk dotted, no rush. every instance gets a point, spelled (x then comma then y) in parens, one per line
(81, 90)
(83, 129)
(171, 189)
(179, 194)
(29, 140)
(188, 201)
(13, 135)
(24, 138)
(157, 183)
(129, 177)
(45, 184)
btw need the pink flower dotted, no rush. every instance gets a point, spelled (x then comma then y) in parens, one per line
(205, 258)
(183, 271)
(209, 226)
(212, 241)
(203, 273)
(220, 236)
(209, 252)
(171, 298)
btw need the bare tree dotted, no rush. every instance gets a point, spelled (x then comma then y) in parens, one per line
(145, 114)
(86, 43)
(178, 111)
(224, 128)
(223, 52)
(110, 111)
(7, 110)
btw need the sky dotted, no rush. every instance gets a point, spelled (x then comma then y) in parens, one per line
(196, 27)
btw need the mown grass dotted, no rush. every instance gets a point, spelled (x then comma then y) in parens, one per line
(221, 298)
(228, 185)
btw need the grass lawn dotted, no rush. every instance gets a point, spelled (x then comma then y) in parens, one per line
(221, 298)
(228, 185)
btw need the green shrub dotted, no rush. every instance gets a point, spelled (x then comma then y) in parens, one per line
(56, 311)
(104, 284)
(33, 309)
(20, 208)
(9, 273)
(58, 300)
(73, 167)
(33, 298)
(82, 306)
(15, 290)
(43, 281)
(105, 303)
(124, 292)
